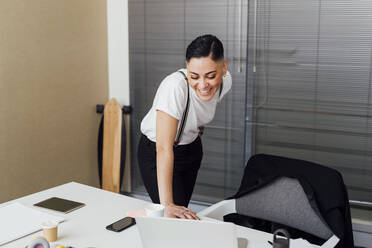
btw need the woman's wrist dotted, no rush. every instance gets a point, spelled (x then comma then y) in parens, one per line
(167, 204)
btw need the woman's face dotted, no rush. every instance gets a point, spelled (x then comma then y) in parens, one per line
(205, 76)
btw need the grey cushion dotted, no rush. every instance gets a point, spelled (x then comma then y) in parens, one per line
(284, 201)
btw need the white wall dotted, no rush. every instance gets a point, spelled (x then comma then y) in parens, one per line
(118, 67)
(118, 50)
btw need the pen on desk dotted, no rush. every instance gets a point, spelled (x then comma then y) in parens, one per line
(271, 243)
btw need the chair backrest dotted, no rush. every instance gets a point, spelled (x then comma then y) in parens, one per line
(284, 201)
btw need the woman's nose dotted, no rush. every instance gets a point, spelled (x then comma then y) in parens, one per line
(203, 83)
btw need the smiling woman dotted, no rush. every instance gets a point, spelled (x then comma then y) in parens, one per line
(206, 76)
(185, 101)
(206, 66)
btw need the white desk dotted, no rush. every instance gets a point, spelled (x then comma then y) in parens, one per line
(85, 227)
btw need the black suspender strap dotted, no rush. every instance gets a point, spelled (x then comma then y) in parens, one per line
(184, 116)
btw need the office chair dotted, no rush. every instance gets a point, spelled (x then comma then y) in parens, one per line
(284, 203)
(298, 194)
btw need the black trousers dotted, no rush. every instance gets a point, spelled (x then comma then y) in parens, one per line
(187, 159)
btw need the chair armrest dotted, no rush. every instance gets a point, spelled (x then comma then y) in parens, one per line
(331, 242)
(219, 209)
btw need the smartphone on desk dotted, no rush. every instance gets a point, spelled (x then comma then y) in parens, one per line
(121, 224)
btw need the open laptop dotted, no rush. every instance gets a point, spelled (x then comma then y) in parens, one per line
(161, 232)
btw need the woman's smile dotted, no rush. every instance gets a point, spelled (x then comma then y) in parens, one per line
(205, 92)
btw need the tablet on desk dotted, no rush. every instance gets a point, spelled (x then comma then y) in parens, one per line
(59, 204)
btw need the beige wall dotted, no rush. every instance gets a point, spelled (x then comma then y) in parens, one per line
(53, 71)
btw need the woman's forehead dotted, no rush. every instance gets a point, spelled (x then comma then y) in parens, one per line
(203, 65)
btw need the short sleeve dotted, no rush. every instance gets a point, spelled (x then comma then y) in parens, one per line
(227, 82)
(171, 96)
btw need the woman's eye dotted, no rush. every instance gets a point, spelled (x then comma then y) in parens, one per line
(211, 77)
(194, 78)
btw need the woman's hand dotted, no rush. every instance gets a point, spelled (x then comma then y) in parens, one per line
(174, 211)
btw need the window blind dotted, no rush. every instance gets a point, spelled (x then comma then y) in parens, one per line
(301, 83)
(313, 85)
(159, 32)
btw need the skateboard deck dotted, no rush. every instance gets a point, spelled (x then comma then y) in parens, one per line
(111, 146)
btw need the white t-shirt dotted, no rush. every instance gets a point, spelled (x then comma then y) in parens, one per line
(171, 98)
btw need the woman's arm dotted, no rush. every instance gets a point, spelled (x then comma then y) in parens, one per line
(166, 130)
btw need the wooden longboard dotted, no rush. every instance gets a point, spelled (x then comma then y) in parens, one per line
(111, 146)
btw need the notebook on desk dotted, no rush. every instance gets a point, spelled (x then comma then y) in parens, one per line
(59, 204)
(161, 232)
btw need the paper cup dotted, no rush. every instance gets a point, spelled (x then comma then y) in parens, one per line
(155, 210)
(50, 229)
